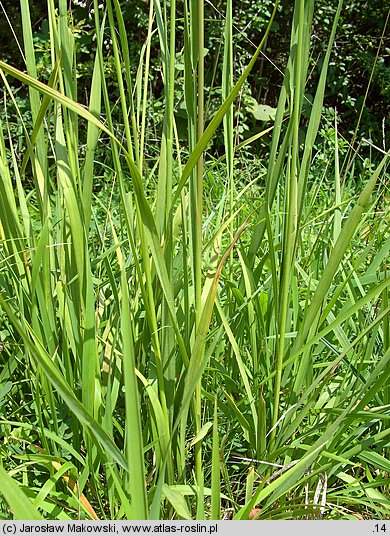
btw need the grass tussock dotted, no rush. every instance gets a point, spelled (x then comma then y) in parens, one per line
(185, 336)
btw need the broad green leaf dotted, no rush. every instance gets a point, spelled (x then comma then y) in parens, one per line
(177, 500)
(201, 434)
(263, 112)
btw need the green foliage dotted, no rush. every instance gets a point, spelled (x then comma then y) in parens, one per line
(361, 36)
(194, 275)
(353, 59)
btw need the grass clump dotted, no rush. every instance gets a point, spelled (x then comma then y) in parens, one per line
(179, 341)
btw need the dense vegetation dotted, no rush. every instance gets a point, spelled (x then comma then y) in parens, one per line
(194, 256)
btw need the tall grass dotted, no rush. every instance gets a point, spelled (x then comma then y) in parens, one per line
(165, 359)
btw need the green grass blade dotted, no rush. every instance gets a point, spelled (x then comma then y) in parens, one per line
(19, 503)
